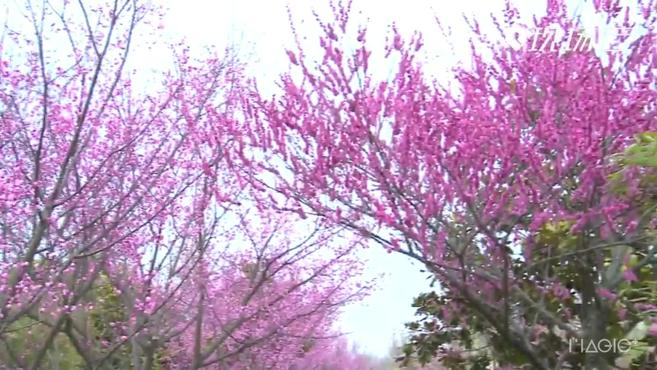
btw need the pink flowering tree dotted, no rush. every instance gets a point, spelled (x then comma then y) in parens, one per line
(125, 241)
(509, 178)
(270, 304)
(335, 355)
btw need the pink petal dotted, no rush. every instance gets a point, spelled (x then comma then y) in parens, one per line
(629, 275)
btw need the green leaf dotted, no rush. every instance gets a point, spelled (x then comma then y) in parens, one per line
(618, 255)
(642, 155)
(646, 137)
(637, 350)
(639, 331)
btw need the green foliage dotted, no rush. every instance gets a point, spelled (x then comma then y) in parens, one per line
(643, 152)
(434, 332)
(109, 308)
(26, 334)
(29, 333)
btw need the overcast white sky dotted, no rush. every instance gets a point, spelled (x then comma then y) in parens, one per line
(260, 28)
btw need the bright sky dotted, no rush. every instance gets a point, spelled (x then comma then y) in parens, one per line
(261, 31)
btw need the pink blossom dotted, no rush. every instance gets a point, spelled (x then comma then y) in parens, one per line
(629, 275)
